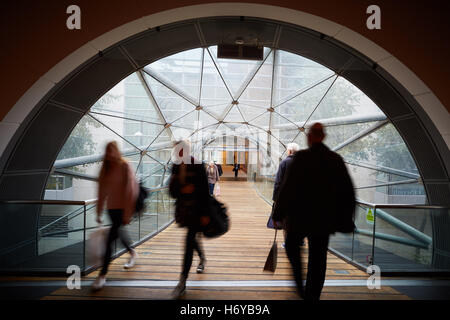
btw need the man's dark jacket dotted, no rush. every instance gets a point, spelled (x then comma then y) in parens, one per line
(280, 175)
(316, 196)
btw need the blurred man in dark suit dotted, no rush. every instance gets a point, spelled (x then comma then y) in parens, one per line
(315, 200)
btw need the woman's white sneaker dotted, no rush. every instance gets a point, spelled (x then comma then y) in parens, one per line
(99, 283)
(132, 261)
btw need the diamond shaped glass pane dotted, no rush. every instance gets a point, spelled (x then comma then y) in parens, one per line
(217, 111)
(181, 71)
(171, 104)
(336, 135)
(205, 120)
(281, 123)
(188, 121)
(138, 133)
(214, 91)
(300, 108)
(234, 116)
(262, 121)
(383, 147)
(90, 137)
(128, 99)
(294, 73)
(251, 112)
(259, 90)
(237, 72)
(344, 99)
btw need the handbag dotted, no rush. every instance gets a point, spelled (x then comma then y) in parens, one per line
(217, 190)
(270, 221)
(218, 219)
(97, 245)
(140, 201)
(271, 261)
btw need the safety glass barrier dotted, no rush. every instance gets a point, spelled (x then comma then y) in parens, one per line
(57, 234)
(412, 238)
(396, 238)
(42, 235)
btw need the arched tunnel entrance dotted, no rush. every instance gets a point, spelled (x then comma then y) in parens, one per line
(168, 83)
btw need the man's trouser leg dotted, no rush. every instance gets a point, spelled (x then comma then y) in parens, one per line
(293, 252)
(317, 265)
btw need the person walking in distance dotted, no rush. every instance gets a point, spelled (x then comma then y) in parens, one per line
(213, 176)
(236, 168)
(291, 149)
(318, 181)
(118, 186)
(189, 186)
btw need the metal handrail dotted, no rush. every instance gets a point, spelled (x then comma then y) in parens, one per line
(67, 202)
(421, 240)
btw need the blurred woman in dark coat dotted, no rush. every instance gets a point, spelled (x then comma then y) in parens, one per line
(189, 186)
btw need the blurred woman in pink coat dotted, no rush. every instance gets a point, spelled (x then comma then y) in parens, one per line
(118, 186)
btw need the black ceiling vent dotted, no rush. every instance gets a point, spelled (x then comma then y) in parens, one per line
(243, 52)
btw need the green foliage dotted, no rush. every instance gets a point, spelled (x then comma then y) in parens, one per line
(81, 141)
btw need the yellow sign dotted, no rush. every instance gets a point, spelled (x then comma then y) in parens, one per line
(370, 217)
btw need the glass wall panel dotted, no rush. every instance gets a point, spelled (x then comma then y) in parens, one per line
(300, 107)
(259, 91)
(293, 73)
(214, 91)
(383, 147)
(237, 73)
(181, 71)
(363, 236)
(344, 99)
(171, 104)
(404, 239)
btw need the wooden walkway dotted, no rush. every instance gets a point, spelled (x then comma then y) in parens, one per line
(238, 255)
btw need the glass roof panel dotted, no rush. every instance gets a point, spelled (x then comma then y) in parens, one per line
(213, 92)
(384, 147)
(236, 72)
(282, 123)
(251, 112)
(188, 121)
(234, 115)
(205, 120)
(217, 111)
(262, 121)
(91, 136)
(294, 73)
(171, 104)
(301, 107)
(128, 99)
(181, 71)
(335, 135)
(259, 91)
(344, 99)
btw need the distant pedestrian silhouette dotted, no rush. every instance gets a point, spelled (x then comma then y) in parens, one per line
(315, 200)
(236, 168)
(213, 176)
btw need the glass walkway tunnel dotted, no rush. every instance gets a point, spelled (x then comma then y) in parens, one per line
(232, 110)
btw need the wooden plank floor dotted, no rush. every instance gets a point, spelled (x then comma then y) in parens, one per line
(238, 255)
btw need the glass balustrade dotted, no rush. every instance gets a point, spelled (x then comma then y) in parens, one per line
(57, 233)
(397, 238)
